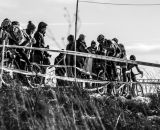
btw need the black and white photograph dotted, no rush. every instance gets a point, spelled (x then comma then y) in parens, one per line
(79, 65)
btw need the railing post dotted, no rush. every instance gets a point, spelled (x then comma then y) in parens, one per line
(2, 60)
(76, 21)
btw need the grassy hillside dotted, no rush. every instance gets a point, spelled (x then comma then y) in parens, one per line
(61, 108)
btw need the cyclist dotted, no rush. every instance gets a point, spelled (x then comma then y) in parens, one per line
(131, 75)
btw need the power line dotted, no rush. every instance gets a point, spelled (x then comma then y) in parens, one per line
(125, 4)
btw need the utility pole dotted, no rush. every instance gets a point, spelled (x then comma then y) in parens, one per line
(76, 21)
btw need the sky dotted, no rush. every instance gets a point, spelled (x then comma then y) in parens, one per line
(137, 27)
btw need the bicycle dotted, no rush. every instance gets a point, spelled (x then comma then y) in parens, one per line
(20, 71)
(129, 87)
(136, 87)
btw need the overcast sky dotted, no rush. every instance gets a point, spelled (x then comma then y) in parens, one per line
(137, 27)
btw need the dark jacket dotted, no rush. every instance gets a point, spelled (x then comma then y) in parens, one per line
(81, 46)
(38, 55)
(70, 58)
(39, 37)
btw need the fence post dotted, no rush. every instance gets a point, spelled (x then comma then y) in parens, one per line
(2, 60)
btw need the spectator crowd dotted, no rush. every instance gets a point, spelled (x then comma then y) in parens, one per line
(12, 34)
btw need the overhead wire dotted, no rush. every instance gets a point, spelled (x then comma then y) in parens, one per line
(123, 4)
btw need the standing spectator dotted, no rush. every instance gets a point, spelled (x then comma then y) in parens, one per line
(111, 71)
(70, 47)
(38, 56)
(29, 32)
(101, 40)
(89, 61)
(93, 48)
(99, 64)
(70, 58)
(39, 37)
(81, 47)
(116, 46)
(123, 66)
